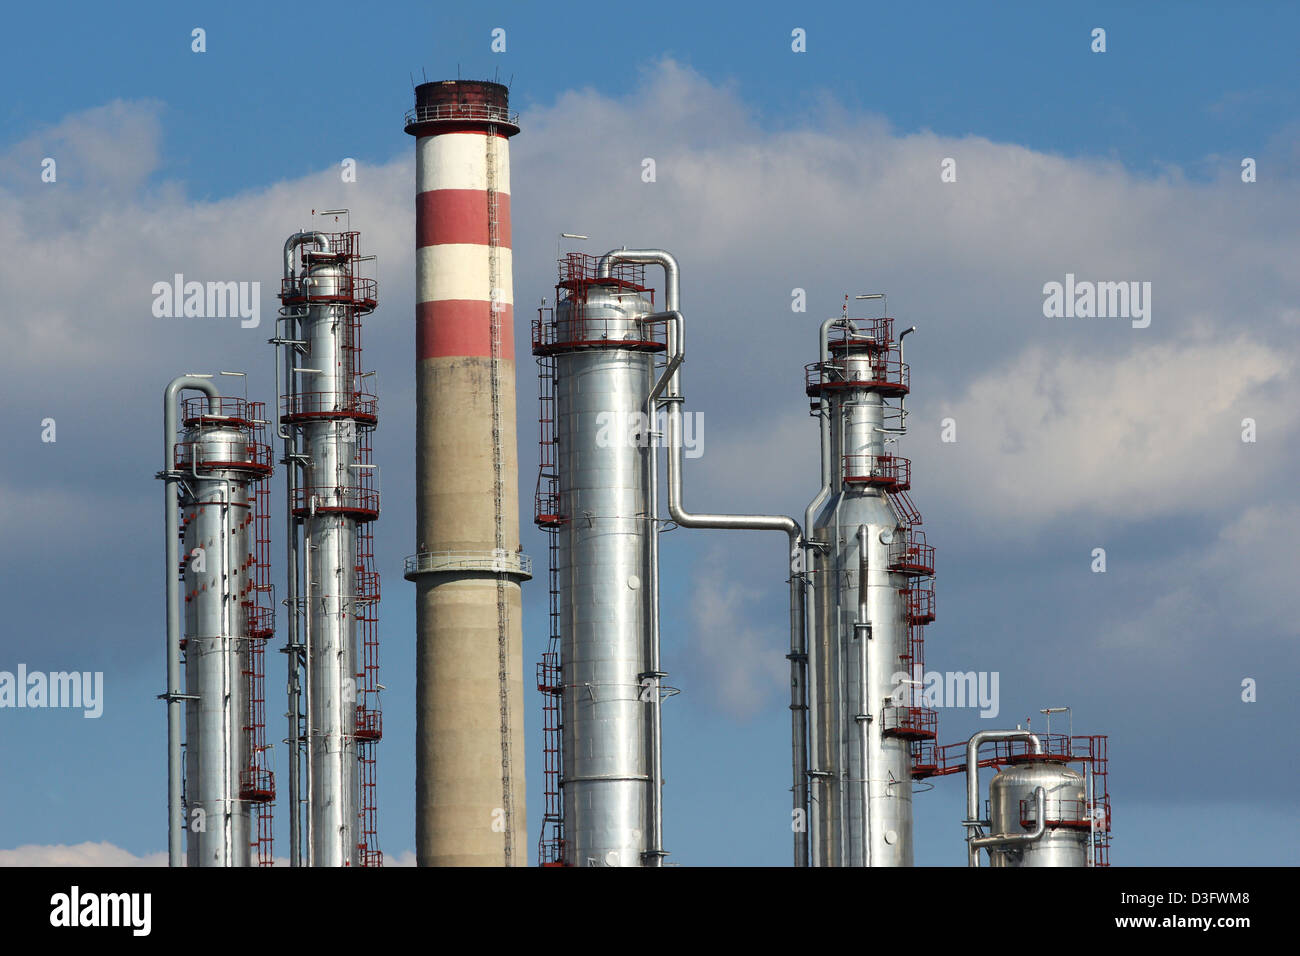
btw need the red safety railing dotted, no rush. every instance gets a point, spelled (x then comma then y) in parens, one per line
(576, 329)
(865, 333)
(930, 760)
(883, 471)
(231, 412)
(358, 501)
(579, 269)
(884, 372)
(357, 291)
(919, 602)
(909, 723)
(581, 331)
(358, 406)
(906, 509)
(369, 728)
(546, 498)
(205, 455)
(910, 554)
(549, 517)
(256, 780)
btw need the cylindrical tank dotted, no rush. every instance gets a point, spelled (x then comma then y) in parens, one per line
(1012, 810)
(216, 515)
(601, 388)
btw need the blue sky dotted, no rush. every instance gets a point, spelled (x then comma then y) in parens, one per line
(777, 170)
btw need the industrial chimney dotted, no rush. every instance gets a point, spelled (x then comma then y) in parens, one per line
(469, 777)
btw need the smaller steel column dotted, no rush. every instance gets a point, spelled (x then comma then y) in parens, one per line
(171, 532)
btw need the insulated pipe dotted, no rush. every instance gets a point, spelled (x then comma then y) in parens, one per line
(175, 812)
(656, 853)
(1018, 839)
(685, 519)
(287, 339)
(973, 780)
(902, 399)
(293, 662)
(809, 518)
(290, 436)
(300, 238)
(863, 634)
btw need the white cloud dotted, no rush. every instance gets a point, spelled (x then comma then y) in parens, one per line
(1235, 587)
(1153, 432)
(106, 854)
(738, 665)
(79, 854)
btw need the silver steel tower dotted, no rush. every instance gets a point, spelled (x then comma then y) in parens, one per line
(216, 511)
(597, 353)
(327, 414)
(870, 594)
(602, 388)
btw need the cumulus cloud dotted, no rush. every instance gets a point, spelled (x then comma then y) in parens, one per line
(79, 854)
(107, 854)
(1153, 432)
(1238, 586)
(737, 663)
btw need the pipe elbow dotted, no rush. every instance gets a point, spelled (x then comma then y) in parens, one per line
(320, 240)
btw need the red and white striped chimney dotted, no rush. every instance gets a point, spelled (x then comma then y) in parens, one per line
(469, 721)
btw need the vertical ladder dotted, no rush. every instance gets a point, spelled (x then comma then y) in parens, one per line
(495, 307)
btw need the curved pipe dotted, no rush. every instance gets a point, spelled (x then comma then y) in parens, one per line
(973, 780)
(174, 696)
(301, 238)
(902, 400)
(290, 437)
(809, 521)
(654, 257)
(1018, 839)
(686, 519)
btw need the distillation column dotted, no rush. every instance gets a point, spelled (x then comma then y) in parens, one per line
(599, 351)
(334, 497)
(869, 597)
(469, 714)
(216, 477)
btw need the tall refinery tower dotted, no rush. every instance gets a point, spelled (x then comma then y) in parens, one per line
(219, 801)
(469, 777)
(327, 413)
(871, 594)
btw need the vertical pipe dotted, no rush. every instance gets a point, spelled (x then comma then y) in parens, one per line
(289, 341)
(173, 696)
(862, 633)
(655, 850)
(673, 320)
(685, 519)
(812, 849)
(972, 823)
